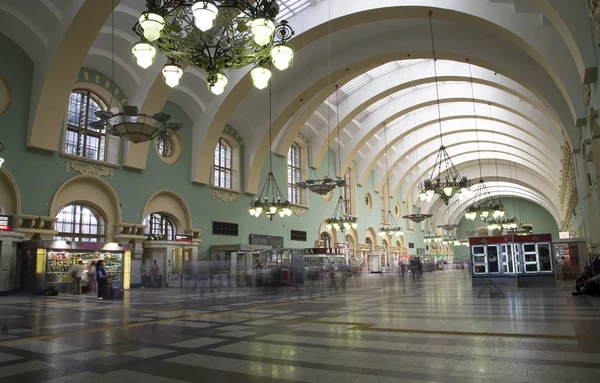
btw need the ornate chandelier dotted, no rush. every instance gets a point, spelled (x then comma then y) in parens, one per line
(389, 227)
(214, 35)
(490, 208)
(270, 200)
(445, 180)
(341, 220)
(134, 126)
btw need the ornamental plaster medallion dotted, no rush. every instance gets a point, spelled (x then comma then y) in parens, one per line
(329, 196)
(90, 170)
(226, 196)
(369, 201)
(299, 211)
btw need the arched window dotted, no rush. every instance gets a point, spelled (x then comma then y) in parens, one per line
(294, 167)
(350, 242)
(223, 170)
(326, 240)
(160, 226)
(369, 242)
(348, 192)
(82, 139)
(79, 223)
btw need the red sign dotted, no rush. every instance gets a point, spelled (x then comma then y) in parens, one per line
(183, 238)
(323, 250)
(5, 223)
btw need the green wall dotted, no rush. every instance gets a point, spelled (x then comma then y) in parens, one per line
(39, 174)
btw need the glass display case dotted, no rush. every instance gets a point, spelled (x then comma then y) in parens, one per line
(520, 259)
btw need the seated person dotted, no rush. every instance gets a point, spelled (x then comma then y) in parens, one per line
(590, 287)
(580, 281)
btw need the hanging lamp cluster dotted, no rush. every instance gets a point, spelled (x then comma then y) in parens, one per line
(444, 180)
(270, 200)
(488, 207)
(215, 36)
(389, 227)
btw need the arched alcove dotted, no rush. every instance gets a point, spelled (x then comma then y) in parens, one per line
(170, 203)
(92, 191)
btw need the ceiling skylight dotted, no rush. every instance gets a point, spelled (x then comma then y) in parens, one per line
(288, 8)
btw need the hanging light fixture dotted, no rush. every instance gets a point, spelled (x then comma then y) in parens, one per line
(130, 124)
(216, 81)
(389, 227)
(172, 74)
(270, 200)
(214, 35)
(260, 76)
(445, 180)
(342, 219)
(1, 150)
(417, 217)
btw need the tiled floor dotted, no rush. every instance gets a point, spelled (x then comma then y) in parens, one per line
(379, 328)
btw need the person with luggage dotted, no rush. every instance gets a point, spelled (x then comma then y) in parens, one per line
(101, 278)
(77, 274)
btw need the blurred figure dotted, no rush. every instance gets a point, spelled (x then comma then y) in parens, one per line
(92, 282)
(580, 281)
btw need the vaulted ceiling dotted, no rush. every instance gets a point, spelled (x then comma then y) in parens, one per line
(527, 60)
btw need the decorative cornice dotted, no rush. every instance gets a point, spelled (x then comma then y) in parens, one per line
(90, 170)
(304, 139)
(298, 210)
(226, 196)
(89, 75)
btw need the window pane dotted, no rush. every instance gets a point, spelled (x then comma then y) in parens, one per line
(79, 223)
(82, 139)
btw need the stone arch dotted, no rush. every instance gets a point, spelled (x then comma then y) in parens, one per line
(10, 198)
(171, 204)
(92, 191)
(332, 233)
(372, 234)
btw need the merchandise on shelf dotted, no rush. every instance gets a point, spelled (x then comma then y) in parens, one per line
(60, 264)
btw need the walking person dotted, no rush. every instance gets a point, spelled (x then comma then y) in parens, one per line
(101, 278)
(143, 273)
(77, 274)
(92, 283)
(154, 274)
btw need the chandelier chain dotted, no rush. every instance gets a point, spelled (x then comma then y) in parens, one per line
(437, 90)
(475, 118)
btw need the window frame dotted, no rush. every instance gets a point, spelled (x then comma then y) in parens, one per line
(164, 223)
(84, 131)
(223, 169)
(327, 239)
(294, 174)
(77, 219)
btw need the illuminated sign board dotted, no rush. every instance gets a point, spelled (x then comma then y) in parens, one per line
(183, 238)
(5, 223)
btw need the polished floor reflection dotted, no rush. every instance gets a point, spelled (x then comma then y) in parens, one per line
(373, 328)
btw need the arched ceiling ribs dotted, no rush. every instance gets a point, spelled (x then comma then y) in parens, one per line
(452, 126)
(126, 65)
(364, 52)
(404, 80)
(411, 186)
(20, 29)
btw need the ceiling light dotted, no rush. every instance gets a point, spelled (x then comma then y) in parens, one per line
(262, 30)
(205, 13)
(172, 74)
(217, 82)
(151, 24)
(144, 54)
(260, 76)
(282, 56)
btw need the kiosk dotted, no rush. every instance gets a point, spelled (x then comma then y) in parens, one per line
(50, 262)
(520, 260)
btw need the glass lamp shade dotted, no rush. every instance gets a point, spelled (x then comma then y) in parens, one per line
(355, 225)
(152, 24)
(205, 13)
(422, 196)
(262, 30)
(172, 74)
(399, 233)
(336, 226)
(1, 161)
(219, 85)
(429, 195)
(329, 226)
(260, 76)
(282, 56)
(144, 54)
(135, 129)
(346, 225)
(448, 191)
(382, 233)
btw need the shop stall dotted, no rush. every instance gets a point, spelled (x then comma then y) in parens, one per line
(570, 257)
(320, 262)
(51, 262)
(520, 260)
(234, 265)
